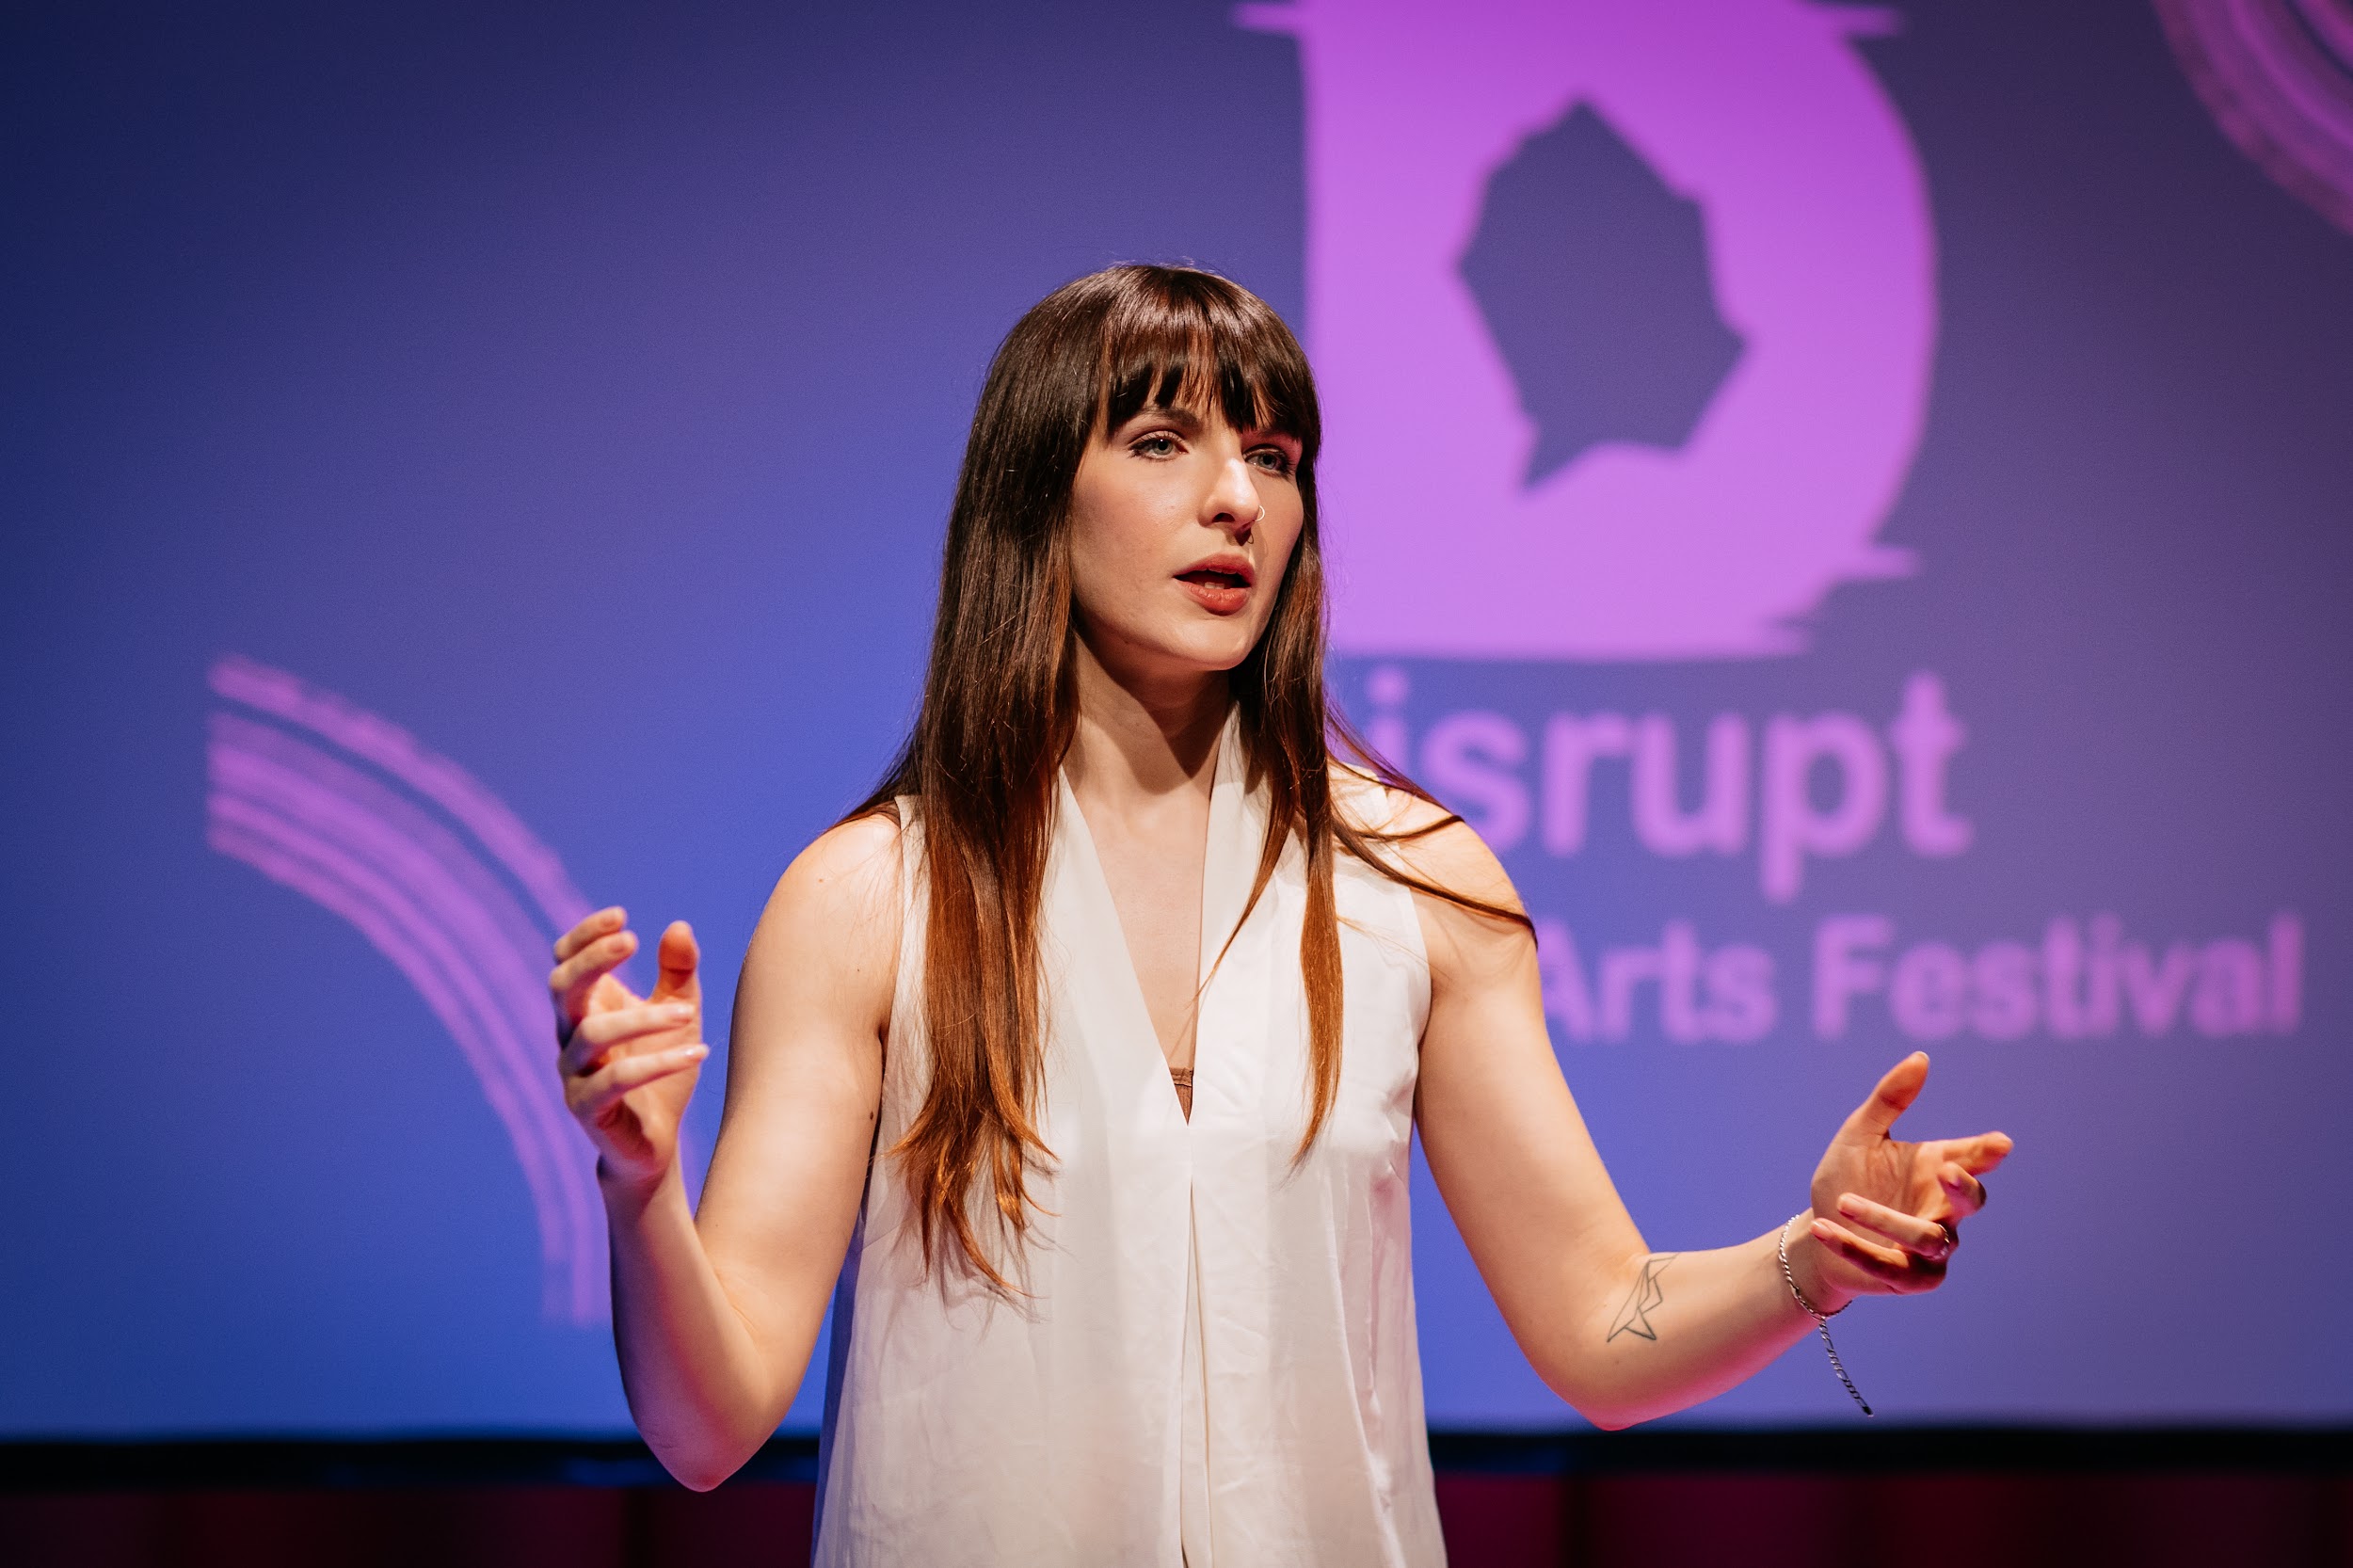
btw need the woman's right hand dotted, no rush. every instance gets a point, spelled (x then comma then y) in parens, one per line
(629, 1063)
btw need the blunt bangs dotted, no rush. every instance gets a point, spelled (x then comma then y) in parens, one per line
(1176, 338)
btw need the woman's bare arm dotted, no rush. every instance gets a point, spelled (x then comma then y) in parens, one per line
(715, 1314)
(1621, 1332)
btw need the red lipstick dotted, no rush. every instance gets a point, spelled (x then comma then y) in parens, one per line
(1220, 583)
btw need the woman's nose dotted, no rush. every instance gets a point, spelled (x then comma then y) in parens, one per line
(1233, 502)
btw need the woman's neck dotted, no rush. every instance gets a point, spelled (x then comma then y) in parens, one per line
(1141, 736)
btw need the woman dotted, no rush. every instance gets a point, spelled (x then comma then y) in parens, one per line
(1095, 1039)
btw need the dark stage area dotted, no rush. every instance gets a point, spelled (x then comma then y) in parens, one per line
(2026, 1497)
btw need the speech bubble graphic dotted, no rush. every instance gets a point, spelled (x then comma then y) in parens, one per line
(1821, 257)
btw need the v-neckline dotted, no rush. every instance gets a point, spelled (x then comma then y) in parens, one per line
(1227, 811)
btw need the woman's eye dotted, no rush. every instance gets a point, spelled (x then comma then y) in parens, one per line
(1155, 446)
(1273, 458)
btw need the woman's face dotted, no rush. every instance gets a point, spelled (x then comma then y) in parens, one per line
(1182, 528)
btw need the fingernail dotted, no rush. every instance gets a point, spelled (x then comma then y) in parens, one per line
(678, 1010)
(694, 1053)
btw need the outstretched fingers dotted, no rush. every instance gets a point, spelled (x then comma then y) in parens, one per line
(1890, 1098)
(1891, 1265)
(1927, 1240)
(596, 1093)
(581, 963)
(678, 956)
(600, 1033)
(1960, 1165)
(1980, 1154)
(602, 923)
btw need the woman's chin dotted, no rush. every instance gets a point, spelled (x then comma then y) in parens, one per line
(1220, 651)
(1173, 652)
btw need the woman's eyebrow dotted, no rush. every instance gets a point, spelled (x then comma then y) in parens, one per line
(1185, 420)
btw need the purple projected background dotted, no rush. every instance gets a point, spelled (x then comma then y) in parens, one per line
(1850, 500)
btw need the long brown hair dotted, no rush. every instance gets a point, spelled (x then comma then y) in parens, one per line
(998, 711)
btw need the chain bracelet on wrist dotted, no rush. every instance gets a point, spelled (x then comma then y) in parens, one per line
(1821, 1319)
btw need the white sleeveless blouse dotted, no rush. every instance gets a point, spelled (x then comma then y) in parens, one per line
(1215, 1366)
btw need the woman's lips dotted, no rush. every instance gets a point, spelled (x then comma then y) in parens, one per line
(1221, 592)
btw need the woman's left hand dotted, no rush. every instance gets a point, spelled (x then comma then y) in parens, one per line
(1887, 1213)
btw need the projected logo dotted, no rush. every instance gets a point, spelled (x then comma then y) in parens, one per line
(1664, 429)
(349, 810)
(1624, 315)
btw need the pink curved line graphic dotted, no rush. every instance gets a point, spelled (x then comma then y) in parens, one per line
(2277, 76)
(293, 801)
(438, 779)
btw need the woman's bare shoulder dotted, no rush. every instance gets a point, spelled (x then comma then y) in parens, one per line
(1422, 837)
(838, 905)
(856, 859)
(1370, 804)
(812, 1015)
